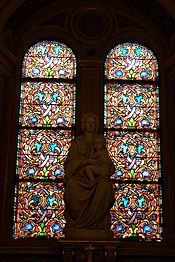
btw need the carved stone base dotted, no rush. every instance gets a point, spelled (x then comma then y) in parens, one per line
(88, 234)
(89, 251)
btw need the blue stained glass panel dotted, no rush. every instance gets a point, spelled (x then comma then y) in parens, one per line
(137, 212)
(131, 106)
(41, 153)
(131, 61)
(47, 104)
(136, 155)
(49, 59)
(38, 210)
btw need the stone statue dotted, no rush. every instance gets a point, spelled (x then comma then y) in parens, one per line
(88, 188)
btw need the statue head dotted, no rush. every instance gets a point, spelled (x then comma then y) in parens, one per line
(86, 118)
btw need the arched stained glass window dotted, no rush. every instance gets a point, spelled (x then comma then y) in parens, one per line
(46, 126)
(131, 124)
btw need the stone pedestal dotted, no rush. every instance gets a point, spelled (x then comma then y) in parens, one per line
(89, 250)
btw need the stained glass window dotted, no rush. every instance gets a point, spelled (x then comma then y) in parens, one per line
(132, 130)
(46, 128)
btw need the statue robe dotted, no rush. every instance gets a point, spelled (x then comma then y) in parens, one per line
(86, 204)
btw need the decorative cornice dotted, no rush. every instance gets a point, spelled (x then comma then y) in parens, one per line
(152, 8)
(156, 13)
(58, 20)
(24, 11)
(145, 251)
(42, 250)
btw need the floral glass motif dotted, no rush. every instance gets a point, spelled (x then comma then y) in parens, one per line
(131, 122)
(49, 59)
(39, 210)
(41, 153)
(47, 104)
(131, 106)
(46, 122)
(137, 211)
(135, 155)
(131, 61)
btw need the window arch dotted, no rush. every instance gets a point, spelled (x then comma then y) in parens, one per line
(46, 127)
(131, 124)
